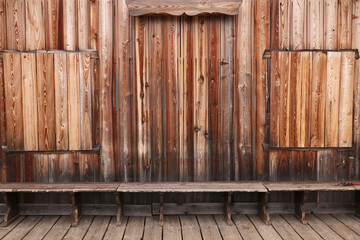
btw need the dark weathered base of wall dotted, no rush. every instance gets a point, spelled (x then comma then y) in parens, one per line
(176, 209)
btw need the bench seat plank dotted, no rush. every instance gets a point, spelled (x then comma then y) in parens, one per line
(308, 186)
(186, 187)
(58, 187)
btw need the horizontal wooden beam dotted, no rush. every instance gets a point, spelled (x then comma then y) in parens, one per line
(93, 52)
(267, 52)
(95, 149)
(177, 8)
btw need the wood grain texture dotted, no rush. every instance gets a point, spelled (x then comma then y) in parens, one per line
(346, 99)
(295, 99)
(2, 105)
(35, 24)
(73, 98)
(106, 48)
(330, 24)
(297, 24)
(46, 100)
(61, 101)
(275, 24)
(84, 24)
(29, 101)
(315, 24)
(284, 24)
(85, 101)
(95, 108)
(70, 28)
(53, 24)
(306, 71)
(94, 23)
(332, 99)
(3, 24)
(284, 113)
(344, 24)
(15, 24)
(13, 101)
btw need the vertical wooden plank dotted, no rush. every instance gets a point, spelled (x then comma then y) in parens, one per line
(95, 101)
(284, 114)
(346, 99)
(156, 43)
(15, 24)
(70, 21)
(331, 24)
(46, 100)
(86, 167)
(35, 24)
(262, 31)
(227, 96)
(296, 166)
(3, 24)
(61, 101)
(53, 24)
(2, 105)
(66, 167)
(84, 24)
(344, 24)
(309, 166)
(214, 98)
(284, 24)
(201, 98)
(94, 23)
(318, 91)
(305, 77)
(188, 102)
(171, 57)
(85, 101)
(275, 23)
(73, 83)
(106, 70)
(243, 91)
(332, 99)
(283, 168)
(273, 165)
(315, 24)
(29, 101)
(297, 24)
(295, 99)
(13, 101)
(275, 99)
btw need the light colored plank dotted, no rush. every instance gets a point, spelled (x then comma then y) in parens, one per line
(98, 228)
(284, 24)
(42, 228)
(59, 229)
(330, 24)
(284, 115)
(23, 228)
(15, 24)
(29, 101)
(190, 228)
(305, 231)
(341, 229)
(266, 231)
(306, 67)
(283, 228)
(35, 24)
(297, 24)
(346, 99)
(295, 98)
(52, 26)
(5, 230)
(135, 228)
(152, 229)
(84, 24)
(227, 232)
(94, 23)
(208, 227)
(80, 230)
(245, 227)
(349, 222)
(70, 33)
(344, 24)
(172, 228)
(275, 100)
(321, 228)
(315, 26)
(3, 24)
(116, 232)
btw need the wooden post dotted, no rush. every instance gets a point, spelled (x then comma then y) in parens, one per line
(228, 208)
(300, 199)
(263, 213)
(161, 222)
(120, 213)
(75, 200)
(11, 201)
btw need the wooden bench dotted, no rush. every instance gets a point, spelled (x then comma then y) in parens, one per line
(301, 190)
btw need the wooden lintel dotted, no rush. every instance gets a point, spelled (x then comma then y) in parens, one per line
(93, 52)
(227, 208)
(263, 213)
(11, 201)
(300, 199)
(161, 221)
(75, 200)
(120, 213)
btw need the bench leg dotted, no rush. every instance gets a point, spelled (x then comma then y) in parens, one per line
(75, 200)
(263, 213)
(300, 199)
(357, 203)
(228, 208)
(11, 201)
(161, 222)
(120, 213)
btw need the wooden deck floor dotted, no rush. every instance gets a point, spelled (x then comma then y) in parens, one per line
(325, 226)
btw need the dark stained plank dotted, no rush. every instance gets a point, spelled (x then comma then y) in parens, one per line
(2, 105)
(116, 232)
(46, 100)
(284, 113)
(283, 228)
(275, 8)
(172, 228)
(15, 24)
(190, 228)
(95, 101)
(227, 232)
(5, 230)
(94, 23)
(152, 229)
(305, 231)
(23, 228)
(3, 24)
(208, 227)
(295, 99)
(42, 228)
(321, 228)
(98, 228)
(275, 99)
(134, 229)
(266, 231)
(86, 167)
(305, 74)
(81, 229)
(341, 229)
(245, 227)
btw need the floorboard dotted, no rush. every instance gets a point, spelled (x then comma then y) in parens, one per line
(208, 227)
(60, 228)
(304, 230)
(266, 231)
(228, 232)
(190, 228)
(98, 228)
(245, 227)
(116, 232)
(135, 228)
(26, 225)
(172, 228)
(338, 227)
(285, 230)
(42, 228)
(321, 228)
(81, 229)
(5, 230)
(348, 221)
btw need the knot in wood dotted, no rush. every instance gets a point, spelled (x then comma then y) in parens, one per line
(201, 79)
(197, 129)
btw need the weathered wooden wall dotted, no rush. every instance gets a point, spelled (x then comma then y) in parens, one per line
(177, 97)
